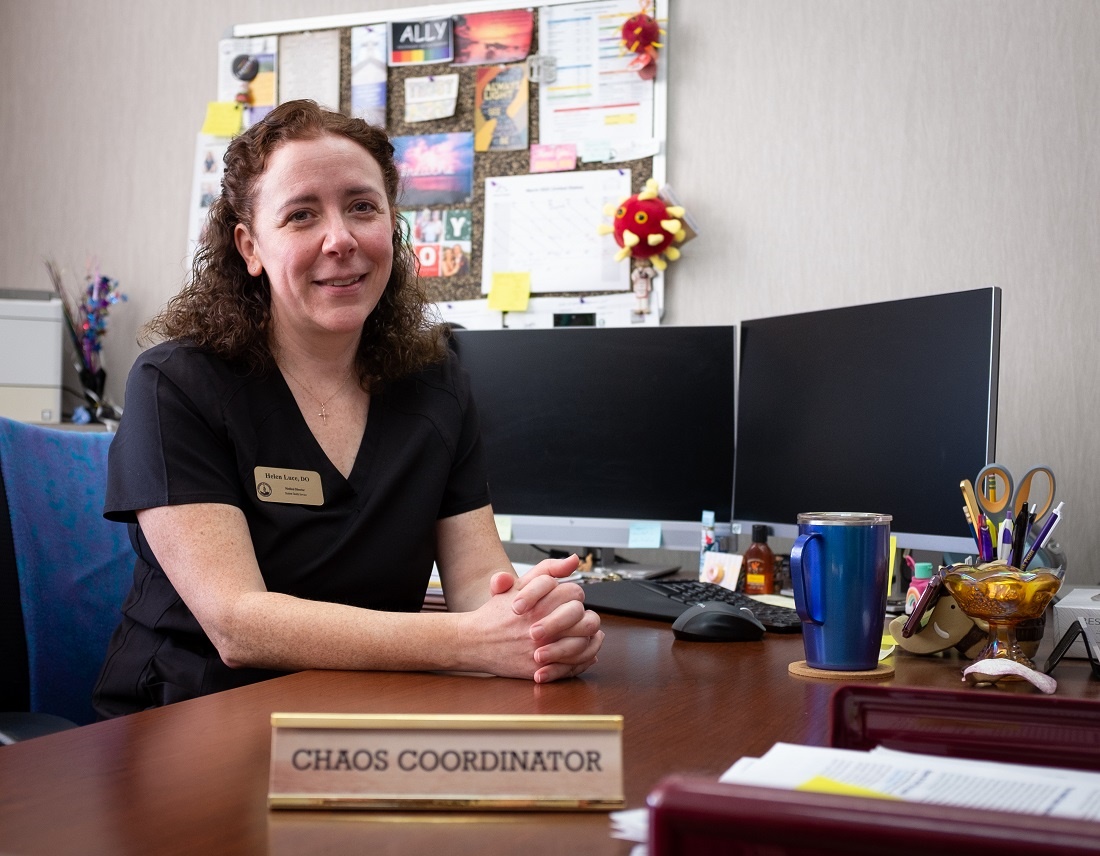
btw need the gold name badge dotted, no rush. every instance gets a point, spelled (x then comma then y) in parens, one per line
(291, 487)
(446, 761)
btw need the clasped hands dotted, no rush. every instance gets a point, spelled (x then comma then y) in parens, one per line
(550, 635)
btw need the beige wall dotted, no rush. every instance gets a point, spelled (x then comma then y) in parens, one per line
(833, 152)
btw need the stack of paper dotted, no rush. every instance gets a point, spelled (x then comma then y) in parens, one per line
(886, 773)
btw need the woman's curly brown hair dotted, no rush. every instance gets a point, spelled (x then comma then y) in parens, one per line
(226, 310)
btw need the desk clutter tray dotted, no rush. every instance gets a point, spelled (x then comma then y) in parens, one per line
(692, 815)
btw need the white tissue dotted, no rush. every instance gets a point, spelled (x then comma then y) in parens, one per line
(991, 670)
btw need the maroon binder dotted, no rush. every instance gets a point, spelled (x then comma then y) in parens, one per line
(991, 726)
(701, 816)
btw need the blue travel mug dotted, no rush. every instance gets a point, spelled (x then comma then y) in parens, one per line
(839, 568)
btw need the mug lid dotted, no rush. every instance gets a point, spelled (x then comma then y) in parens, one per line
(844, 518)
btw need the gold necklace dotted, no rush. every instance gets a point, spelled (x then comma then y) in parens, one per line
(322, 413)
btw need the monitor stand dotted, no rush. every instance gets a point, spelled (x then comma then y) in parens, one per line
(605, 564)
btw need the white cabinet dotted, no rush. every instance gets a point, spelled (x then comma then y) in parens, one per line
(31, 327)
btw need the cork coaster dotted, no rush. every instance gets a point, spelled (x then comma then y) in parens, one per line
(882, 670)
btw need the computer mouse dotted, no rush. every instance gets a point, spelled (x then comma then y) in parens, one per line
(715, 621)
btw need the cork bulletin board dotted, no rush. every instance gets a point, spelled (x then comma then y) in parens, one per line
(486, 164)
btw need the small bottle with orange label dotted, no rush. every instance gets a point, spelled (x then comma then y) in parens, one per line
(759, 563)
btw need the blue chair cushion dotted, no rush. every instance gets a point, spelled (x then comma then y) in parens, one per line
(74, 566)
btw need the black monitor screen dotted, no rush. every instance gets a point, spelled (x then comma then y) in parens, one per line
(631, 423)
(883, 408)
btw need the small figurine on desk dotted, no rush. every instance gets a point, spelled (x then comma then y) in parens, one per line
(642, 284)
(947, 627)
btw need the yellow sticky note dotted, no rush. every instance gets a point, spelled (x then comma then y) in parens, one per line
(893, 557)
(504, 526)
(509, 292)
(823, 785)
(223, 119)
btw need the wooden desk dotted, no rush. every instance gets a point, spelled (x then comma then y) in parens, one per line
(192, 777)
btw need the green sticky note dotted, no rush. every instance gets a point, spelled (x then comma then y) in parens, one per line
(504, 526)
(509, 292)
(644, 536)
(223, 119)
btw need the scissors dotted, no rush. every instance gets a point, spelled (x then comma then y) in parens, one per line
(1001, 497)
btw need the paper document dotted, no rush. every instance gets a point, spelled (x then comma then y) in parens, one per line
(587, 310)
(469, 314)
(309, 67)
(547, 225)
(428, 98)
(246, 72)
(206, 186)
(596, 96)
(368, 73)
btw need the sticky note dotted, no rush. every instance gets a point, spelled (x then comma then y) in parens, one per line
(223, 119)
(504, 526)
(893, 557)
(594, 151)
(510, 292)
(557, 157)
(644, 536)
(824, 785)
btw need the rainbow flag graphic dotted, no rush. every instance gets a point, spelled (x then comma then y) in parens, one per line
(421, 42)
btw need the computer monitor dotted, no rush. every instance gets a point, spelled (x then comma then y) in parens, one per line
(594, 433)
(885, 407)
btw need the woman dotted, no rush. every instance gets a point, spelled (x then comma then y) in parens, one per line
(302, 447)
(459, 261)
(447, 265)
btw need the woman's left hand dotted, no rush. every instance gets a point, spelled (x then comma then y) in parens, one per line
(567, 636)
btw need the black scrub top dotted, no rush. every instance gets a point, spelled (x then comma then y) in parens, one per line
(198, 429)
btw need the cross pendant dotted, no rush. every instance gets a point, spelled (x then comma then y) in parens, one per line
(323, 415)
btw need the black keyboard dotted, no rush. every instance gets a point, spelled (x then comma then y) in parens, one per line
(664, 600)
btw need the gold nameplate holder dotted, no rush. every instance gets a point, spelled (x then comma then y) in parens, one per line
(420, 761)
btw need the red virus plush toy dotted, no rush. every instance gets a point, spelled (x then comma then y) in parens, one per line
(646, 227)
(641, 35)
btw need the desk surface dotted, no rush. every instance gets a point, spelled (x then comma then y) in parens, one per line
(192, 777)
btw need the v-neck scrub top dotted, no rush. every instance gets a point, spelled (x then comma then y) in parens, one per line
(196, 428)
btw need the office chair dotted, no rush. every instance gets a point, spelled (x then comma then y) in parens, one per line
(64, 571)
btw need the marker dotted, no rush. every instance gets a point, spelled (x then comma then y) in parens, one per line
(1004, 541)
(1044, 535)
(985, 543)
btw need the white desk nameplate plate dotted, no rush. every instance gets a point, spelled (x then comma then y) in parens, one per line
(446, 761)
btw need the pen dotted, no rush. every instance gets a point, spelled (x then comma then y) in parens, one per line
(970, 525)
(971, 501)
(1044, 535)
(1019, 533)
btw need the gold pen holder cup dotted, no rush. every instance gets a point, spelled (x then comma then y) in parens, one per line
(1005, 598)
